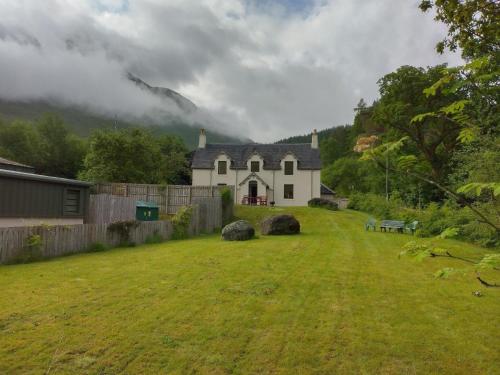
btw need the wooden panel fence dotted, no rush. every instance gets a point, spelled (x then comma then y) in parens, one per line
(70, 239)
(168, 197)
(106, 208)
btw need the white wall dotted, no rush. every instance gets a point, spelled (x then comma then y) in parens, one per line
(306, 182)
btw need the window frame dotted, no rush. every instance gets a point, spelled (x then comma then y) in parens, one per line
(219, 163)
(252, 164)
(285, 196)
(288, 162)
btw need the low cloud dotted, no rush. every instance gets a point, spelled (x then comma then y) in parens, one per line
(263, 72)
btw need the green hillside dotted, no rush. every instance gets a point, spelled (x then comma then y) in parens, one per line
(82, 121)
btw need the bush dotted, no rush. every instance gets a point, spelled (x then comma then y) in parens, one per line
(323, 203)
(181, 222)
(433, 219)
(227, 205)
(31, 252)
(123, 229)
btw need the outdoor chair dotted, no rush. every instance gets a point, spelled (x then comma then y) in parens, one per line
(412, 227)
(371, 223)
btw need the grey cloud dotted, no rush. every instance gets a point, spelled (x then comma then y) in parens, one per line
(251, 71)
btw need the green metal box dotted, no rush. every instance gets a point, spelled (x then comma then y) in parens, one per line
(146, 211)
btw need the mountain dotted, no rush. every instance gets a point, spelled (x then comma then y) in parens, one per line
(182, 102)
(83, 120)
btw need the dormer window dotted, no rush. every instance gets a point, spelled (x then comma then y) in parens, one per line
(254, 166)
(288, 168)
(222, 167)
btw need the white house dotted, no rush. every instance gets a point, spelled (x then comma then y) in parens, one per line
(287, 174)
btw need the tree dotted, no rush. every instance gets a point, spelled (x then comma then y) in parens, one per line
(337, 144)
(60, 153)
(19, 141)
(135, 155)
(472, 25)
(46, 145)
(435, 139)
(175, 166)
(128, 155)
(348, 175)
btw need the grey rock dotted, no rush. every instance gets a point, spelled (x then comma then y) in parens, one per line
(240, 230)
(280, 224)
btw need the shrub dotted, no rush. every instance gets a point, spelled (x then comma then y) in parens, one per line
(226, 196)
(227, 205)
(433, 219)
(181, 222)
(31, 252)
(323, 203)
(123, 228)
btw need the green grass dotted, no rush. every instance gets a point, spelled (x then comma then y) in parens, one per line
(332, 300)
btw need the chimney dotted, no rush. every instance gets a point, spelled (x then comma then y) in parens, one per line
(314, 139)
(202, 142)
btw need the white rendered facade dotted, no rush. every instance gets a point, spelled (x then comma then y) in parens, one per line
(293, 188)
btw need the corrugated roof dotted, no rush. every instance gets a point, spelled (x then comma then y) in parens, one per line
(41, 177)
(308, 158)
(11, 162)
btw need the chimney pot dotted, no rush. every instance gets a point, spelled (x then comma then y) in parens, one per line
(314, 139)
(202, 141)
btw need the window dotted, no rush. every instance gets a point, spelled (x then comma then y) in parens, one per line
(288, 191)
(254, 166)
(288, 167)
(222, 167)
(221, 184)
(72, 202)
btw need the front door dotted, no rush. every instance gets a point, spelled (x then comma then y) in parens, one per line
(252, 192)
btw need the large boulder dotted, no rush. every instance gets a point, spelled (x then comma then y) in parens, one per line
(240, 230)
(280, 224)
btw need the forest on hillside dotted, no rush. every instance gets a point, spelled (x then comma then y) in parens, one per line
(429, 146)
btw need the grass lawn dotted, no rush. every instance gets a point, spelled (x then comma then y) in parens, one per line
(332, 300)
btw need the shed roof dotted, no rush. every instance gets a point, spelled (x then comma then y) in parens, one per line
(146, 204)
(11, 162)
(43, 178)
(308, 157)
(325, 190)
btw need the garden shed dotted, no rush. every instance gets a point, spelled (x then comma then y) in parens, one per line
(147, 211)
(28, 199)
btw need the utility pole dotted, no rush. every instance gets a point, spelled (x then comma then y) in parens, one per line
(387, 175)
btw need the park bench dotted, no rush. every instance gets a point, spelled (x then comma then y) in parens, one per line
(371, 224)
(392, 224)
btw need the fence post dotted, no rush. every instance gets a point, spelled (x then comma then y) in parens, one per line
(166, 200)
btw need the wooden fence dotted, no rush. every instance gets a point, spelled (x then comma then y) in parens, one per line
(106, 208)
(168, 197)
(69, 239)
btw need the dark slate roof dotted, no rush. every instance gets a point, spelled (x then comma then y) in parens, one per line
(42, 178)
(325, 190)
(308, 158)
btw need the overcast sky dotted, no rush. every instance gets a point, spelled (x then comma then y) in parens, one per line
(263, 69)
